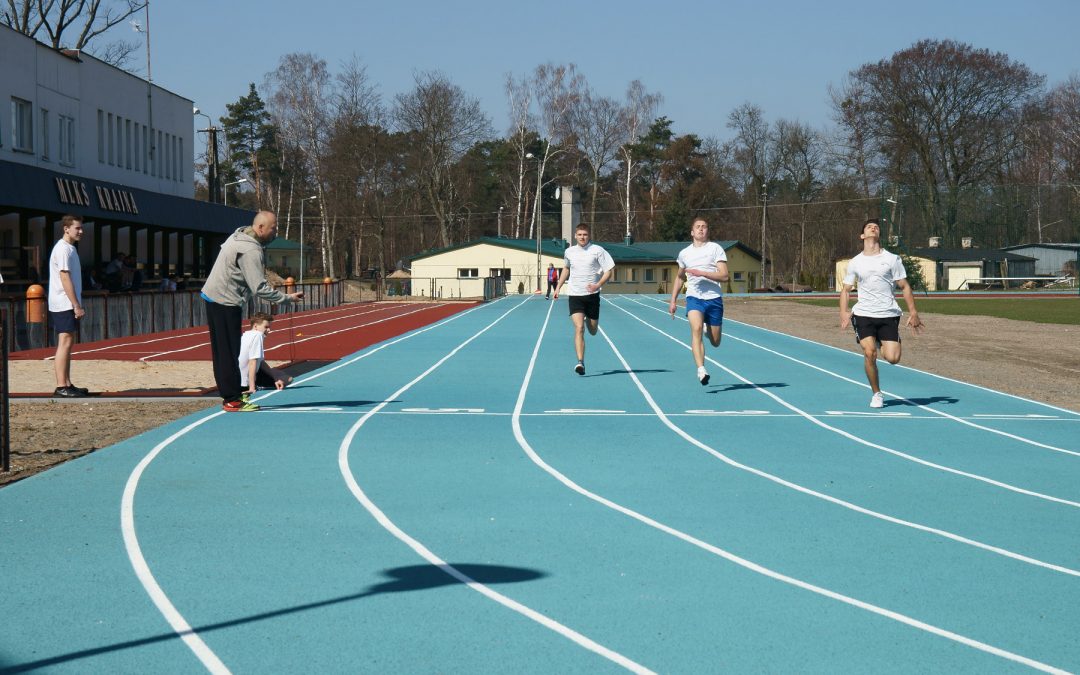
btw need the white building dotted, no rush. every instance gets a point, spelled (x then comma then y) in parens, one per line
(88, 138)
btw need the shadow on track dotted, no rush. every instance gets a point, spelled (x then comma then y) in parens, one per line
(402, 579)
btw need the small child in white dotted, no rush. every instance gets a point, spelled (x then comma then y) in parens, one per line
(254, 370)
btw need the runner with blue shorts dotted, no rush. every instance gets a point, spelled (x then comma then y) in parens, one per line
(703, 267)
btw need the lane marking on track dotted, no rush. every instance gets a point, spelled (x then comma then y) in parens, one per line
(862, 413)
(585, 411)
(138, 562)
(427, 554)
(727, 555)
(814, 493)
(443, 411)
(934, 411)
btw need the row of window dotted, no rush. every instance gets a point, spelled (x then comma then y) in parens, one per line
(22, 132)
(126, 144)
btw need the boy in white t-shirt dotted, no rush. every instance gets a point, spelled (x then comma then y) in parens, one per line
(254, 370)
(876, 316)
(65, 303)
(588, 267)
(703, 266)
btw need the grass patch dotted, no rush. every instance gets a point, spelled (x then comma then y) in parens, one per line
(1039, 310)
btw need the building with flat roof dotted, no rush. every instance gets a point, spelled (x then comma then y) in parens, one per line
(85, 137)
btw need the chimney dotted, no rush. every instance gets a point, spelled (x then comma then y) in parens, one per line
(628, 240)
(965, 242)
(935, 242)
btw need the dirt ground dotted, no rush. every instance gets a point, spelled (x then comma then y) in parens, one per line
(1036, 361)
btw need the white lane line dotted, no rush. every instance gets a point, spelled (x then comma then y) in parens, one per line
(820, 495)
(934, 411)
(131, 539)
(427, 554)
(293, 343)
(727, 555)
(898, 396)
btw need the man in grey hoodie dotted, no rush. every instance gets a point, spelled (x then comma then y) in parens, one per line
(238, 273)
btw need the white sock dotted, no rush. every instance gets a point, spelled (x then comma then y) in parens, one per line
(701, 371)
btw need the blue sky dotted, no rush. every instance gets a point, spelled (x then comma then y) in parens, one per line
(705, 58)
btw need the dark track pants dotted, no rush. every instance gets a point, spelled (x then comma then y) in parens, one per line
(225, 323)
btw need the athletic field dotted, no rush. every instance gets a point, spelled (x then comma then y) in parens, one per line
(456, 499)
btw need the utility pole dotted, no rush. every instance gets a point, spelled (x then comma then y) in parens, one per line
(764, 207)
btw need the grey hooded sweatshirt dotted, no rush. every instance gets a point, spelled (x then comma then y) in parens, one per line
(240, 271)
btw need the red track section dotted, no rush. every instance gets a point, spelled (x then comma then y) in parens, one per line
(319, 335)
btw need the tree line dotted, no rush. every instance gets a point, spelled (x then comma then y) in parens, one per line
(940, 139)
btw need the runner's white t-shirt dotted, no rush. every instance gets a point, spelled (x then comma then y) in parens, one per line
(64, 257)
(876, 276)
(586, 265)
(251, 347)
(702, 258)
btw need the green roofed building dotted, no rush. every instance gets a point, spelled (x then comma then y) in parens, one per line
(644, 267)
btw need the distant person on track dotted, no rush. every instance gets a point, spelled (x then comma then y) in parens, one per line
(588, 267)
(238, 273)
(255, 372)
(65, 303)
(876, 315)
(703, 266)
(552, 279)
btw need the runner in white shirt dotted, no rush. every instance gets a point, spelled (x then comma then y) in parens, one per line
(876, 316)
(703, 266)
(254, 370)
(588, 267)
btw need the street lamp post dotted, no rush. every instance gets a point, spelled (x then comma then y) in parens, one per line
(537, 215)
(305, 199)
(211, 155)
(500, 221)
(225, 188)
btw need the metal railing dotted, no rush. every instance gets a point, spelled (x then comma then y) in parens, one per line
(116, 315)
(444, 288)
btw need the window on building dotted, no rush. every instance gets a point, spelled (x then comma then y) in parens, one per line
(633, 275)
(22, 125)
(614, 275)
(503, 272)
(127, 144)
(158, 154)
(45, 149)
(649, 275)
(111, 140)
(180, 159)
(664, 274)
(468, 273)
(100, 137)
(168, 156)
(146, 151)
(137, 163)
(737, 276)
(119, 141)
(67, 140)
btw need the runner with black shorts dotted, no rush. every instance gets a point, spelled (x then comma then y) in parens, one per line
(876, 316)
(588, 267)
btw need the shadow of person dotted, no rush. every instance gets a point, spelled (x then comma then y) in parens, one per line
(740, 387)
(402, 579)
(947, 400)
(636, 371)
(320, 404)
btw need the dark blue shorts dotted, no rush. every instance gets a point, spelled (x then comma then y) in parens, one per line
(64, 322)
(712, 310)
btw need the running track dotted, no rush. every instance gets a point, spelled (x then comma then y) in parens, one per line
(457, 500)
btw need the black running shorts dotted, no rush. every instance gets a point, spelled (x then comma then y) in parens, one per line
(884, 329)
(589, 305)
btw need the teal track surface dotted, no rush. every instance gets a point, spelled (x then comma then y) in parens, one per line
(456, 499)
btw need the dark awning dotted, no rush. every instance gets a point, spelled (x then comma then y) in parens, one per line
(31, 188)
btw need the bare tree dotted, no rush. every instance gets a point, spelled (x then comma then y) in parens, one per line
(750, 151)
(1065, 111)
(300, 101)
(519, 97)
(799, 156)
(73, 24)
(557, 89)
(853, 142)
(445, 122)
(638, 114)
(597, 123)
(954, 110)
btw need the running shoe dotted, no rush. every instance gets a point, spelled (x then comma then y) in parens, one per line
(84, 390)
(239, 406)
(703, 377)
(69, 392)
(580, 368)
(877, 400)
